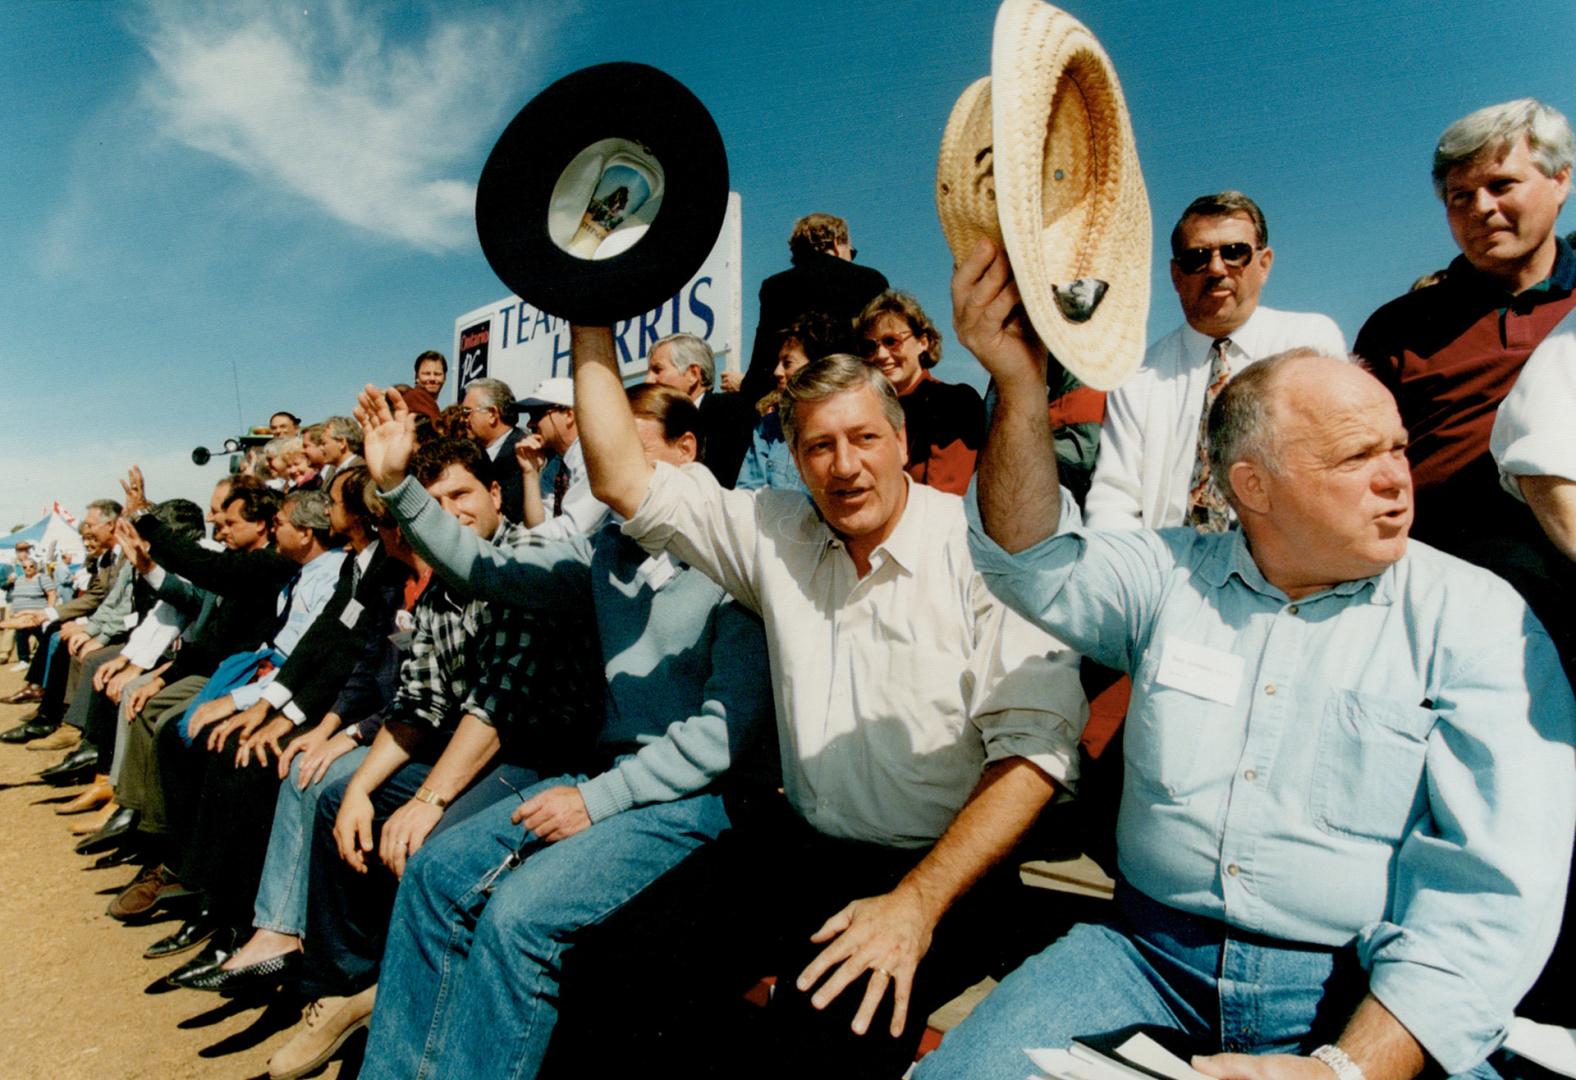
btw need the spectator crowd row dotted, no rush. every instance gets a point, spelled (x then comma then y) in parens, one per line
(531, 733)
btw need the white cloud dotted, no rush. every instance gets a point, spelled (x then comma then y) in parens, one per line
(328, 105)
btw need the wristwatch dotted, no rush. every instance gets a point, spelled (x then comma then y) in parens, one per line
(432, 798)
(1339, 1061)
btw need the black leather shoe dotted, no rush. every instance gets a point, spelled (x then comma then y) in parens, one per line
(219, 948)
(261, 977)
(193, 932)
(74, 768)
(28, 730)
(119, 824)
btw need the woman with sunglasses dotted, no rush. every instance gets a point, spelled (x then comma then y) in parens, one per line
(945, 421)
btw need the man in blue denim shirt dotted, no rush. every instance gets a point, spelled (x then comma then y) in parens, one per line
(1349, 791)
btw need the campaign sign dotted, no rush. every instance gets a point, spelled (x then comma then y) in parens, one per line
(472, 352)
(523, 345)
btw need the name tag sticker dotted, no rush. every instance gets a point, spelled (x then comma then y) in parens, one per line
(352, 614)
(1200, 671)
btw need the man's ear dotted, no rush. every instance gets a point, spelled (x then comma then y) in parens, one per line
(902, 442)
(497, 495)
(688, 446)
(1247, 484)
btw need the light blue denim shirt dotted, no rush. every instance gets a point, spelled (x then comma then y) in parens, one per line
(769, 463)
(1389, 761)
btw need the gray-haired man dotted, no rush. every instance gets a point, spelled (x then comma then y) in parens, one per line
(686, 363)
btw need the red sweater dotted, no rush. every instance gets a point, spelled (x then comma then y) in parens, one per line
(1450, 353)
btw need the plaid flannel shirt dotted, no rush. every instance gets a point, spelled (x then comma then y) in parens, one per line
(485, 660)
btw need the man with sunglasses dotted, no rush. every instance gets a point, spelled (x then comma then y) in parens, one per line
(488, 406)
(1151, 472)
(568, 508)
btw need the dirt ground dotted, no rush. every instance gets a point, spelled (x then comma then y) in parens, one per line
(77, 1000)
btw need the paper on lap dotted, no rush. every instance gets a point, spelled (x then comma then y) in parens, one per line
(1138, 1058)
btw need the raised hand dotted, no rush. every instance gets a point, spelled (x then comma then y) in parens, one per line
(136, 493)
(133, 546)
(388, 434)
(984, 299)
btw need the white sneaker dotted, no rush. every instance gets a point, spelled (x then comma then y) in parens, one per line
(326, 1025)
(20, 665)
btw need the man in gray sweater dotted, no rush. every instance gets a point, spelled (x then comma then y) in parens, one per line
(487, 909)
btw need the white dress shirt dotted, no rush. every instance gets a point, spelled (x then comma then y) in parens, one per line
(582, 512)
(892, 690)
(1149, 441)
(1533, 431)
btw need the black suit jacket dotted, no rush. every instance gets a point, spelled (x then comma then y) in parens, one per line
(727, 422)
(332, 646)
(248, 581)
(835, 287)
(506, 470)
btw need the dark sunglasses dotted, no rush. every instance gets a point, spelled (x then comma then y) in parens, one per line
(1196, 260)
(870, 346)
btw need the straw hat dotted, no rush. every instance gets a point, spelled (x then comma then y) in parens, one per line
(1040, 158)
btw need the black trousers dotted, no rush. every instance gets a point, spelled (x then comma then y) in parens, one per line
(663, 979)
(232, 816)
(347, 914)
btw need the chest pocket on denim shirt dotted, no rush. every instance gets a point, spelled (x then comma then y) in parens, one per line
(1176, 741)
(1369, 768)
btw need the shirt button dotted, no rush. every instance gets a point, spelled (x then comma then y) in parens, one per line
(1250, 774)
(1269, 688)
(1233, 869)
(1292, 610)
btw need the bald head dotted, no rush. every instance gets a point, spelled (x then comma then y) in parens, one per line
(1311, 452)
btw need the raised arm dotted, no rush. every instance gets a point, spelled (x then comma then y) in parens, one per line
(1019, 494)
(615, 460)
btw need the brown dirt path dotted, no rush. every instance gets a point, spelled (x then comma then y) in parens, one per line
(72, 1001)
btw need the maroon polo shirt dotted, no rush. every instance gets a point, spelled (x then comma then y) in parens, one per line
(1450, 353)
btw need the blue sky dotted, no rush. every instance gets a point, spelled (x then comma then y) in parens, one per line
(288, 187)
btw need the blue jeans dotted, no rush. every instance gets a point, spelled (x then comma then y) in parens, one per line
(1151, 966)
(281, 897)
(469, 986)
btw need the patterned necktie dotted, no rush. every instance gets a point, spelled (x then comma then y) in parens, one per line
(1207, 510)
(560, 486)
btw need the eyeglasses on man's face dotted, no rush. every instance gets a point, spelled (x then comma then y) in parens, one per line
(1195, 260)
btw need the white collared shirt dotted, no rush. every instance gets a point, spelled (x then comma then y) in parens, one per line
(582, 512)
(1149, 441)
(497, 444)
(1533, 434)
(892, 690)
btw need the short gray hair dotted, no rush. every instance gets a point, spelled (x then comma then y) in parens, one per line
(346, 430)
(690, 351)
(1496, 128)
(1239, 422)
(308, 510)
(827, 377)
(108, 509)
(494, 392)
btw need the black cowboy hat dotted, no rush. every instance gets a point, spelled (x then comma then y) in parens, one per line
(538, 184)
